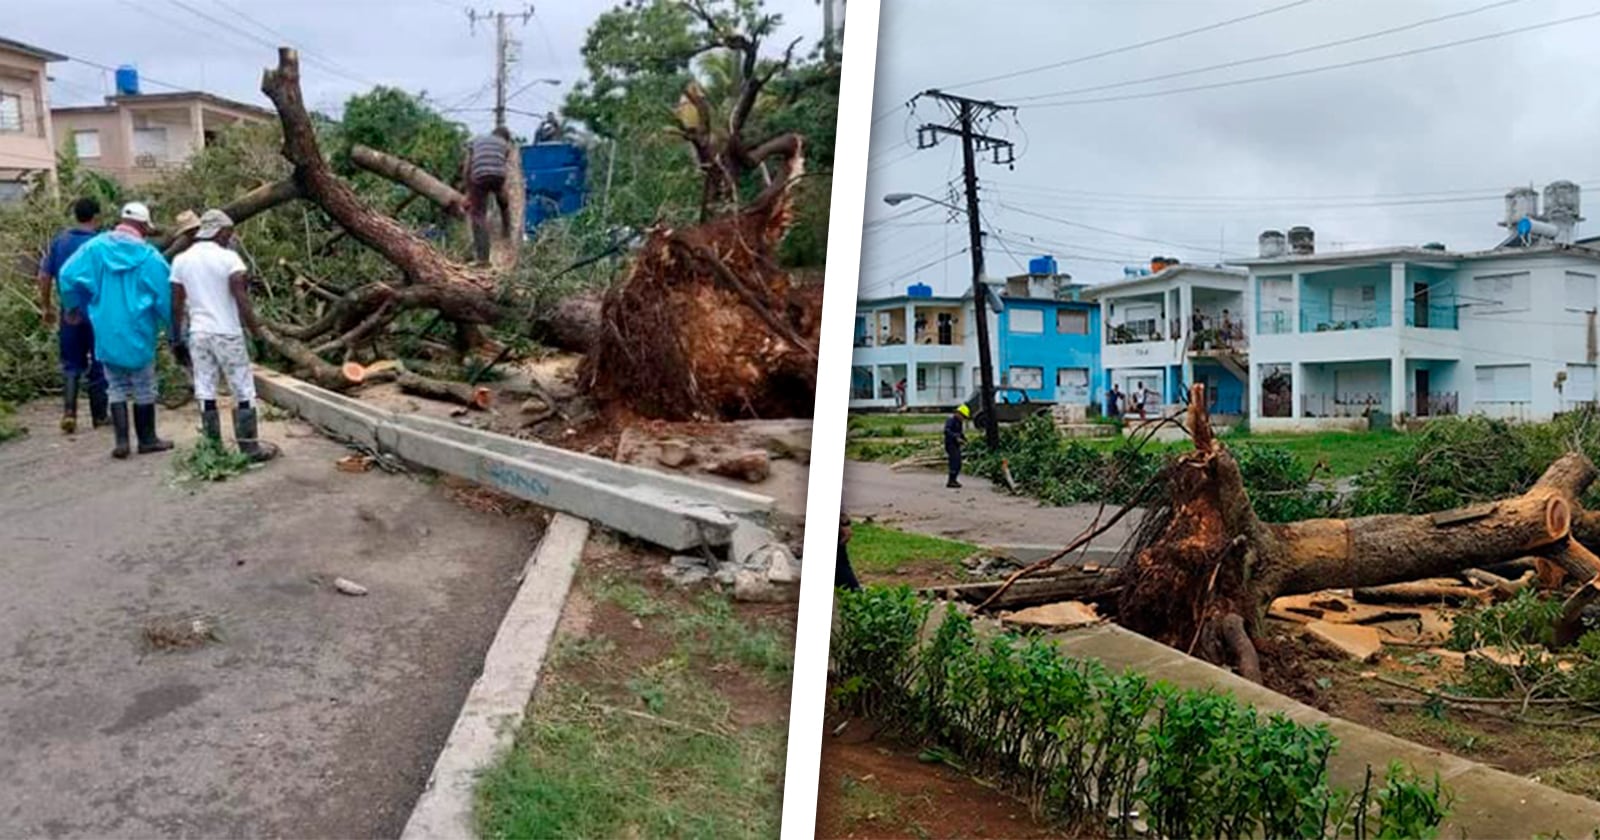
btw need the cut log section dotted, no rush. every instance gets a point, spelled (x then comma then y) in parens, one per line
(459, 393)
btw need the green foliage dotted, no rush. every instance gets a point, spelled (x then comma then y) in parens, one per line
(1526, 619)
(9, 425)
(209, 460)
(874, 548)
(1408, 808)
(1279, 484)
(1080, 743)
(1458, 461)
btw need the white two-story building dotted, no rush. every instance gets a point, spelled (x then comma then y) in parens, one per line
(1416, 332)
(930, 343)
(1177, 325)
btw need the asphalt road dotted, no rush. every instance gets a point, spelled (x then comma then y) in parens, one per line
(316, 714)
(917, 500)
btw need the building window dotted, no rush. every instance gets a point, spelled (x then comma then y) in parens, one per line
(1026, 378)
(1497, 293)
(1072, 385)
(1504, 383)
(1027, 321)
(149, 146)
(1580, 295)
(10, 113)
(86, 144)
(1580, 384)
(1072, 322)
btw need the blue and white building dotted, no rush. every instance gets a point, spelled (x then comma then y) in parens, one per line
(1049, 337)
(1424, 331)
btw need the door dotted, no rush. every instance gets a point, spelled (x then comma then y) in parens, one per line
(1419, 305)
(1422, 375)
(946, 328)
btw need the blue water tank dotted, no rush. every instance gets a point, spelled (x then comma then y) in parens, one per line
(127, 80)
(1042, 265)
(555, 179)
(919, 290)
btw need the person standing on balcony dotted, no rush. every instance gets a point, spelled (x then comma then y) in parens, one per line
(955, 437)
(79, 365)
(1227, 328)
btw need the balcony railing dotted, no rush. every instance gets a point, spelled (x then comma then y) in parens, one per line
(1436, 403)
(1337, 318)
(1340, 405)
(1134, 332)
(1432, 316)
(1272, 322)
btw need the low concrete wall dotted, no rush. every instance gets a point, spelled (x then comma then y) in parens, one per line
(1489, 802)
(1309, 424)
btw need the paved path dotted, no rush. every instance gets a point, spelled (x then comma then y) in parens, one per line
(317, 715)
(917, 500)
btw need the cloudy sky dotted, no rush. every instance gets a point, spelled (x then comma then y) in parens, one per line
(1405, 151)
(346, 47)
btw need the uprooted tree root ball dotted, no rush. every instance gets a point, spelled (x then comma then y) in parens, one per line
(707, 326)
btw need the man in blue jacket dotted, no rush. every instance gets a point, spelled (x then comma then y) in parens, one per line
(78, 362)
(124, 285)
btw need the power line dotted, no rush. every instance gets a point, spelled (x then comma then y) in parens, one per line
(1322, 68)
(1107, 231)
(924, 267)
(310, 57)
(1140, 45)
(109, 69)
(1326, 45)
(313, 56)
(1253, 198)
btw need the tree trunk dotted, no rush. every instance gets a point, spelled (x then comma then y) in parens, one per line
(1206, 557)
(404, 172)
(459, 393)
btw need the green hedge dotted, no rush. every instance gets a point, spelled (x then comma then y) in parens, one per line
(1080, 743)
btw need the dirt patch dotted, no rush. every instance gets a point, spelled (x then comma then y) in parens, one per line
(183, 633)
(873, 787)
(919, 574)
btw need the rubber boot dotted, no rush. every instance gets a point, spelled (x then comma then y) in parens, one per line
(144, 425)
(69, 399)
(480, 242)
(98, 404)
(244, 433)
(119, 426)
(211, 424)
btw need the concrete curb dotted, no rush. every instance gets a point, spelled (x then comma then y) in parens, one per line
(1489, 802)
(493, 710)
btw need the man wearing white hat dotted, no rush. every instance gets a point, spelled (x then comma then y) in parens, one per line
(211, 305)
(121, 281)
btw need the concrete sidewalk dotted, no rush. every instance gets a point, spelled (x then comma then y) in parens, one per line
(917, 500)
(1489, 802)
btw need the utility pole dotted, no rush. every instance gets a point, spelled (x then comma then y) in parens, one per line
(504, 48)
(969, 116)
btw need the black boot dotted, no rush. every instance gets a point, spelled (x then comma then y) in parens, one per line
(98, 404)
(144, 425)
(211, 424)
(69, 399)
(119, 425)
(244, 433)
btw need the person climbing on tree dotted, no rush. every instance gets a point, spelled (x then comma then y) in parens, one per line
(955, 437)
(484, 169)
(123, 283)
(79, 365)
(211, 309)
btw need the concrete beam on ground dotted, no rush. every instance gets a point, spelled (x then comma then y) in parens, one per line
(674, 512)
(493, 710)
(1488, 802)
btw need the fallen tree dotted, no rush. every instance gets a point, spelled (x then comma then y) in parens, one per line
(1204, 568)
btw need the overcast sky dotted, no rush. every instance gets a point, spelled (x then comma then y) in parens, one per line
(1206, 171)
(416, 45)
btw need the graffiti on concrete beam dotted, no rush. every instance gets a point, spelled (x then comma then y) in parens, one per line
(512, 480)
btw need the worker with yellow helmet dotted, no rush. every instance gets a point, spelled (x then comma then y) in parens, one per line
(955, 437)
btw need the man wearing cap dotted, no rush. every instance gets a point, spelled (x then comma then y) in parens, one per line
(211, 306)
(484, 169)
(121, 281)
(955, 437)
(78, 361)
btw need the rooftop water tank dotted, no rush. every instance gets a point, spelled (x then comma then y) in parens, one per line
(1521, 203)
(1561, 201)
(919, 290)
(127, 80)
(1302, 240)
(1042, 265)
(1272, 243)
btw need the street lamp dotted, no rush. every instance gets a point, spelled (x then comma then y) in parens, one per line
(980, 292)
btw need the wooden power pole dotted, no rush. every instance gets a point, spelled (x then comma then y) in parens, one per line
(968, 117)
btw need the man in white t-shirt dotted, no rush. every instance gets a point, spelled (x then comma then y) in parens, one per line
(211, 305)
